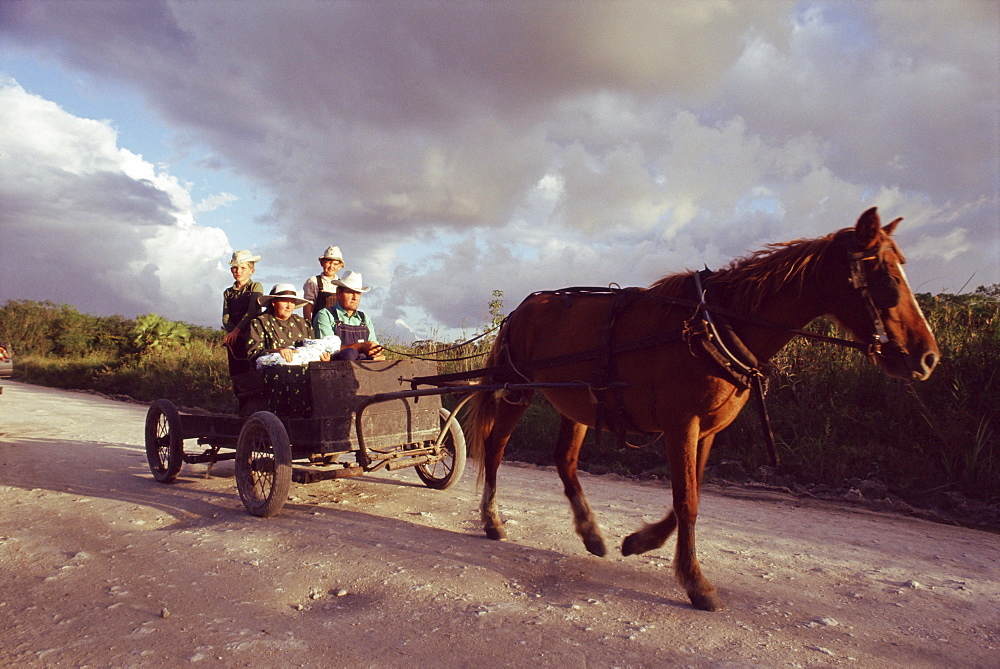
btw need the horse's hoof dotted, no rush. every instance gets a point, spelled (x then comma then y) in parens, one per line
(496, 533)
(710, 602)
(597, 547)
(631, 546)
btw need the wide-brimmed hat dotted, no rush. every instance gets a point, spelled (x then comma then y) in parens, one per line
(284, 291)
(352, 282)
(243, 257)
(332, 253)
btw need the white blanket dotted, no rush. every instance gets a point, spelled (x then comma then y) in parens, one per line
(311, 349)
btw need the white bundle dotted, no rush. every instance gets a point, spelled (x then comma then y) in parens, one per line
(311, 350)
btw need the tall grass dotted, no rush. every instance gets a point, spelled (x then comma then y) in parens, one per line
(836, 416)
(195, 375)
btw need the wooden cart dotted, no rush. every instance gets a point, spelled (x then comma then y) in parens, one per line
(331, 420)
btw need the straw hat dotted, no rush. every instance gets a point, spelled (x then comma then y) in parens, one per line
(332, 253)
(243, 257)
(352, 282)
(285, 291)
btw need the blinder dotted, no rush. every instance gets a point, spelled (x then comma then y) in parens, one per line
(881, 292)
(884, 290)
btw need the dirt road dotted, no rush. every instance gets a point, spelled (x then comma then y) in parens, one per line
(104, 567)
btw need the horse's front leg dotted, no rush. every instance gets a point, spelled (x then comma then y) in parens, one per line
(686, 467)
(654, 535)
(567, 457)
(687, 457)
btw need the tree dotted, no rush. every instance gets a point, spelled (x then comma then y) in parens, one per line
(496, 310)
(154, 331)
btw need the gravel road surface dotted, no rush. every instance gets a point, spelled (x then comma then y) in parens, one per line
(103, 567)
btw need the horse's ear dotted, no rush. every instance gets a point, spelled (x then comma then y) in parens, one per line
(867, 229)
(891, 228)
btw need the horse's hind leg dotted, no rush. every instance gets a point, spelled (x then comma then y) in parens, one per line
(567, 456)
(650, 537)
(507, 416)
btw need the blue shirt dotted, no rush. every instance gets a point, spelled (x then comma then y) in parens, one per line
(325, 322)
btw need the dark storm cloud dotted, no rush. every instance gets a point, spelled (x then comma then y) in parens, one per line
(525, 145)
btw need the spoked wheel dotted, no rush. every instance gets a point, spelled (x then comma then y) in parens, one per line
(263, 464)
(164, 441)
(446, 472)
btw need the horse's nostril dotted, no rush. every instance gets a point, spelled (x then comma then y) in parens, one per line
(930, 361)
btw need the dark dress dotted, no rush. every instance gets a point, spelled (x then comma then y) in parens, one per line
(239, 308)
(286, 385)
(268, 334)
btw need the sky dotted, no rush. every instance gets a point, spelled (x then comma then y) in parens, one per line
(457, 148)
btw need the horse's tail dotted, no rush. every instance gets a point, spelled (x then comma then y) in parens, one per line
(482, 413)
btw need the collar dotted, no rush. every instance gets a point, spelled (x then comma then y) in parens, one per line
(343, 312)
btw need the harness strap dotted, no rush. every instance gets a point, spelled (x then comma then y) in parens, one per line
(557, 361)
(611, 414)
(743, 366)
(695, 304)
(765, 421)
(860, 283)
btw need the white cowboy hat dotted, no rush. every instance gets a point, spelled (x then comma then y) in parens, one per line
(243, 257)
(332, 253)
(352, 282)
(285, 291)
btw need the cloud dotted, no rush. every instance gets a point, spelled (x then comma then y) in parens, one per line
(215, 202)
(947, 247)
(91, 224)
(452, 149)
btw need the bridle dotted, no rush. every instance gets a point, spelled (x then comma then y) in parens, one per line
(880, 293)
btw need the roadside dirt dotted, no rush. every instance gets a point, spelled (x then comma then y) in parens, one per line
(103, 567)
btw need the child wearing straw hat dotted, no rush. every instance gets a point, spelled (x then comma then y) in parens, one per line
(318, 289)
(239, 307)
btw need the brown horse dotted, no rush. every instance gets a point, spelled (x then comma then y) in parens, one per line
(669, 387)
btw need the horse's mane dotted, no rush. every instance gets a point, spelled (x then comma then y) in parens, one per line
(747, 282)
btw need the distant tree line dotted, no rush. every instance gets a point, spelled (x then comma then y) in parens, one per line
(49, 329)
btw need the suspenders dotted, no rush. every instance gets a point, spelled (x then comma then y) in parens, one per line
(321, 296)
(350, 334)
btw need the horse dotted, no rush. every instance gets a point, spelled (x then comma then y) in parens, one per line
(585, 350)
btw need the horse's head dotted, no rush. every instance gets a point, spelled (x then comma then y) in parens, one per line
(875, 302)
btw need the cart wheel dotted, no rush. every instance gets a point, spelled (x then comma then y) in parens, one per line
(164, 441)
(263, 464)
(446, 472)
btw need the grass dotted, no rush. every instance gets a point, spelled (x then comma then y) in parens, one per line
(195, 375)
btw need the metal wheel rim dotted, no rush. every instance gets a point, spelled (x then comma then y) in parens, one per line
(163, 441)
(262, 479)
(441, 468)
